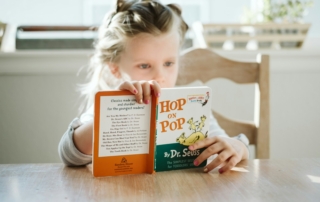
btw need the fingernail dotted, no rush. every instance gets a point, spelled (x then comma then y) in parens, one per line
(205, 170)
(196, 162)
(191, 147)
(134, 91)
(147, 101)
(220, 171)
(158, 94)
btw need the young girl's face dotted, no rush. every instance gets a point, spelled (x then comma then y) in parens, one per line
(148, 57)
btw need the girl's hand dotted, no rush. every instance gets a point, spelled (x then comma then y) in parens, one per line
(141, 89)
(229, 152)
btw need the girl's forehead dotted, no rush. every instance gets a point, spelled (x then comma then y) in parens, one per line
(143, 45)
(150, 37)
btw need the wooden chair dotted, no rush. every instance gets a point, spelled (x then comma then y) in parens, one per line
(2, 31)
(204, 65)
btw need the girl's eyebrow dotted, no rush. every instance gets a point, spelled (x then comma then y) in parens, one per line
(172, 58)
(146, 60)
(139, 60)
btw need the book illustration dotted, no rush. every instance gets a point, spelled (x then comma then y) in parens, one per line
(201, 125)
(192, 124)
(196, 135)
(123, 160)
(203, 100)
(206, 99)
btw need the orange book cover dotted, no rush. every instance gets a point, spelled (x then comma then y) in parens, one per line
(123, 134)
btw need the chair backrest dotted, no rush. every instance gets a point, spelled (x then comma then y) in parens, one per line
(204, 65)
(2, 31)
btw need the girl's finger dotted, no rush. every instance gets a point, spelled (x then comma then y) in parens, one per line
(211, 150)
(128, 86)
(137, 85)
(146, 92)
(221, 158)
(204, 143)
(155, 87)
(231, 163)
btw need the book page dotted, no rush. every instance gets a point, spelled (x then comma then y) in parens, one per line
(124, 126)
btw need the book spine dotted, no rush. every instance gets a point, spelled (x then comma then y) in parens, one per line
(155, 142)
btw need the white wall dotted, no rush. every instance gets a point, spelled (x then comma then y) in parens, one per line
(38, 100)
(313, 17)
(228, 11)
(295, 114)
(34, 112)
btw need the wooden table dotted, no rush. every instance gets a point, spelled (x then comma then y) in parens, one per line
(255, 180)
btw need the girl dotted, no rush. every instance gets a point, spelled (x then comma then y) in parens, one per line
(138, 50)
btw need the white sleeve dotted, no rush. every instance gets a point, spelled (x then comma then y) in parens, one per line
(216, 130)
(68, 152)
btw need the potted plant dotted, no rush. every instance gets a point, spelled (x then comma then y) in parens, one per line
(286, 12)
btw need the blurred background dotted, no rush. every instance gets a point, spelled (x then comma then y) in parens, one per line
(44, 44)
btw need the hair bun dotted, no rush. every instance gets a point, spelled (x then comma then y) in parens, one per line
(120, 3)
(176, 8)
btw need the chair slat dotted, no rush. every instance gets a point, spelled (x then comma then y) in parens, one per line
(263, 139)
(204, 65)
(235, 127)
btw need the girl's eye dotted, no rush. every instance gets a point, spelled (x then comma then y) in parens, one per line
(168, 64)
(144, 66)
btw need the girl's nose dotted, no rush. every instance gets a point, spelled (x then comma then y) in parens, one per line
(159, 76)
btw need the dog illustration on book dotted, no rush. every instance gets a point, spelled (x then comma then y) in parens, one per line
(196, 135)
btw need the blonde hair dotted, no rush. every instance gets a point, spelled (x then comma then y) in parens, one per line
(126, 21)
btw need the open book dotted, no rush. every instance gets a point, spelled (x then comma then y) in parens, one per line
(132, 138)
